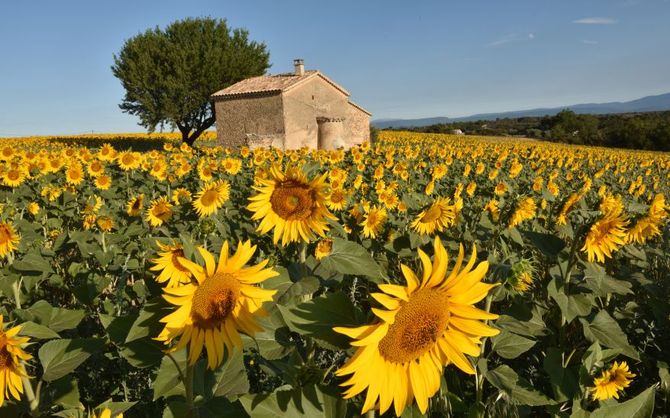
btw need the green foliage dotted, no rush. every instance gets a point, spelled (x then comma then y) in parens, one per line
(169, 74)
(650, 131)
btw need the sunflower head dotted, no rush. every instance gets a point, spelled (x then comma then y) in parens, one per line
(211, 197)
(323, 248)
(611, 381)
(171, 269)
(159, 212)
(436, 217)
(291, 204)
(221, 302)
(12, 357)
(605, 236)
(9, 239)
(135, 205)
(422, 326)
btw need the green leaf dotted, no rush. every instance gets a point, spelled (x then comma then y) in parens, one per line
(317, 318)
(304, 286)
(148, 322)
(63, 392)
(57, 319)
(597, 279)
(348, 257)
(605, 330)
(230, 379)
(521, 392)
(509, 345)
(549, 244)
(115, 407)
(32, 262)
(274, 341)
(168, 381)
(139, 353)
(60, 357)
(641, 406)
(572, 306)
(286, 403)
(564, 381)
(40, 332)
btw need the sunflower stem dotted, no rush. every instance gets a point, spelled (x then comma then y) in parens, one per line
(370, 414)
(303, 252)
(188, 384)
(33, 401)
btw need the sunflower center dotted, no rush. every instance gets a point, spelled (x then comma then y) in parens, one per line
(292, 200)
(431, 214)
(418, 325)
(6, 360)
(214, 300)
(13, 175)
(209, 197)
(176, 253)
(5, 234)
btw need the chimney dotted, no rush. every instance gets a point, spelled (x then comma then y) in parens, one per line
(299, 65)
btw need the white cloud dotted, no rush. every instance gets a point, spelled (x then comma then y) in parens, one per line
(589, 42)
(595, 21)
(514, 37)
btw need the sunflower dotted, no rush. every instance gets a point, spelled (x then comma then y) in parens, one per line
(606, 235)
(107, 152)
(105, 223)
(104, 413)
(9, 239)
(14, 177)
(611, 381)
(103, 182)
(11, 368)
(291, 204)
(129, 160)
(438, 216)
(160, 211)
(135, 205)
(171, 269)
(323, 248)
(373, 221)
(524, 210)
(181, 195)
(211, 197)
(74, 174)
(33, 208)
(336, 200)
(95, 169)
(425, 325)
(645, 228)
(220, 302)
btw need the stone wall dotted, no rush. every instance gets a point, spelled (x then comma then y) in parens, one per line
(303, 104)
(250, 121)
(358, 126)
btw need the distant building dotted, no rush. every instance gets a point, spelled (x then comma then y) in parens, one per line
(457, 132)
(289, 111)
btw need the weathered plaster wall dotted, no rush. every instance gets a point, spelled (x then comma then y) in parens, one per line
(303, 104)
(358, 126)
(252, 121)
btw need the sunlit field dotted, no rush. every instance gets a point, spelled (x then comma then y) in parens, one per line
(423, 274)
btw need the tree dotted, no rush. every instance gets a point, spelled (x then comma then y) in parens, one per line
(170, 74)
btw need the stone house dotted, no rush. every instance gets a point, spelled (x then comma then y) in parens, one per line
(289, 111)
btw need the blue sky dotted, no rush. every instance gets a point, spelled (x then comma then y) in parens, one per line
(399, 59)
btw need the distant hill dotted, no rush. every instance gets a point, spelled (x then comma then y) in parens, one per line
(645, 104)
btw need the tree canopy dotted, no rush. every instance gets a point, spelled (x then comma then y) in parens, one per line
(170, 74)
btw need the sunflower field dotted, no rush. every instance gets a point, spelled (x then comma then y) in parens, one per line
(422, 275)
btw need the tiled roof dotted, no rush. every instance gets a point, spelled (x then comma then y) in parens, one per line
(270, 84)
(359, 108)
